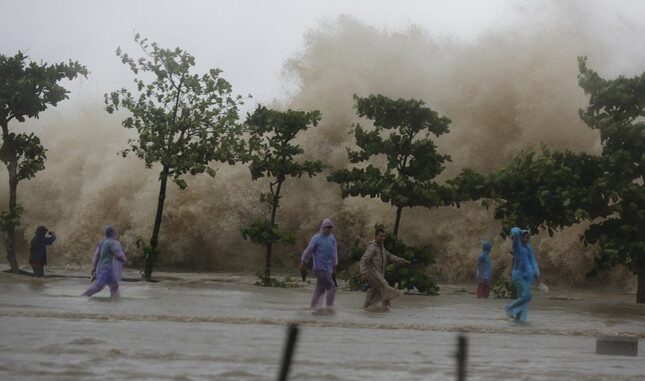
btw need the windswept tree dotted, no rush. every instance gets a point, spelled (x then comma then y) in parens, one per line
(402, 135)
(273, 155)
(183, 120)
(546, 191)
(27, 88)
(558, 189)
(617, 111)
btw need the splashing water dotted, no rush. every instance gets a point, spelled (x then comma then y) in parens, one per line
(507, 90)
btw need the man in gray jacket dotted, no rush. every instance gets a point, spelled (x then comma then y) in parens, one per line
(372, 270)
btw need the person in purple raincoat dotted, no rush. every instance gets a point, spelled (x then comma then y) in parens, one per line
(109, 259)
(322, 248)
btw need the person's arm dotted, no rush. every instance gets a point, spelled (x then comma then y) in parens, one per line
(393, 258)
(96, 257)
(335, 254)
(515, 235)
(478, 271)
(49, 240)
(117, 251)
(489, 269)
(308, 252)
(534, 265)
(365, 260)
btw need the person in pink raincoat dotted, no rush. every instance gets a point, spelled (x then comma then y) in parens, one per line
(108, 261)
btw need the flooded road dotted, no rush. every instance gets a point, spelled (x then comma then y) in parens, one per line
(221, 327)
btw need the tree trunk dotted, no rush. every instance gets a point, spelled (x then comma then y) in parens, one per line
(11, 229)
(274, 210)
(267, 266)
(640, 291)
(154, 240)
(11, 160)
(398, 220)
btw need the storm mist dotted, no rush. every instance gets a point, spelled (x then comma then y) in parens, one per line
(505, 90)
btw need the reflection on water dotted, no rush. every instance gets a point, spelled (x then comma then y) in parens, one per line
(211, 326)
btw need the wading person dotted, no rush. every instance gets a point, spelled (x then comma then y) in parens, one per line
(525, 269)
(38, 250)
(372, 270)
(322, 248)
(108, 262)
(484, 273)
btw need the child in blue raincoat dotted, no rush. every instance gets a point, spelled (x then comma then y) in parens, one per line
(484, 273)
(525, 270)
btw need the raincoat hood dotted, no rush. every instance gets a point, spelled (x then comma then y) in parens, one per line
(326, 222)
(110, 232)
(41, 230)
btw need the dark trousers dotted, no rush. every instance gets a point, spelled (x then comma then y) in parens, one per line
(38, 269)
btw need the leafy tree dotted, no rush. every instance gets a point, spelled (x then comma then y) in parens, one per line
(616, 109)
(27, 88)
(183, 121)
(551, 191)
(412, 163)
(272, 155)
(504, 289)
(411, 277)
(559, 189)
(412, 159)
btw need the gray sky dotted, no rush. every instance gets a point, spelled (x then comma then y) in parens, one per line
(248, 39)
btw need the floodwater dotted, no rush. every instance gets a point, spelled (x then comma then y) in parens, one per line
(221, 327)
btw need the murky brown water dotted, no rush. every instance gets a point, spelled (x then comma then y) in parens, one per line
(220, 327)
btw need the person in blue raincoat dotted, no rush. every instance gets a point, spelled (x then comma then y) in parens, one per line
(484, 273)
(525, 270)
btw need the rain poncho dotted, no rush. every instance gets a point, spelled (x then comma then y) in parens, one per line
(484, 273)
(322, 247)
(525, 269)
(108, 262)
(484, 263)
(38, 251)
(372, 265)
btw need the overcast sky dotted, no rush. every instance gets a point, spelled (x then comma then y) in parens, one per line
(248, 39)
